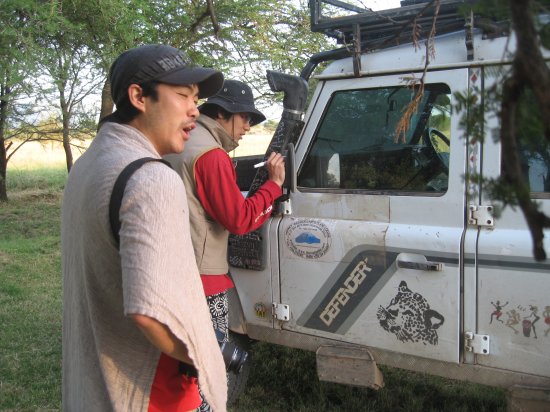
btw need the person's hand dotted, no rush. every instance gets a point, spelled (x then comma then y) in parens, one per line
(276, 168)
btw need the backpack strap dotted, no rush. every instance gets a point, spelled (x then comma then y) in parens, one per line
(118, 192)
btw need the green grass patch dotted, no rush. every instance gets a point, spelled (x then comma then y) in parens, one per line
(35, 179)
(30, 299)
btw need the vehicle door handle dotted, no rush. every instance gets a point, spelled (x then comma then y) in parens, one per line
(429, 266)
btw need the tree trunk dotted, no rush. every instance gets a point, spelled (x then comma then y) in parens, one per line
(66, 124)
(67, 145)
(3, 154)
(68, 152)
(3, 169)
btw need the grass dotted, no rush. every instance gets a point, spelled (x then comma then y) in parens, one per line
(30, 293)
(282, 379)
(285, 379)
(20, 181)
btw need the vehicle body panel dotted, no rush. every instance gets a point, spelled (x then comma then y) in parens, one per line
(405, 272)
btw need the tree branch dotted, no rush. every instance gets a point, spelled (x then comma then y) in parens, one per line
(213, 17)
(529, 71)
(529, 59)
(209, 12)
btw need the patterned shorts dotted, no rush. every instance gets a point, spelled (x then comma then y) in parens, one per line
(219, 312)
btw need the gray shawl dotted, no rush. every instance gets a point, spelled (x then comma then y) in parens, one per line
(108, 364)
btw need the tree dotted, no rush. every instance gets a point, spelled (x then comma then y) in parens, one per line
(16, 68)
(242, 38)
(64, 56)
(107, 29)
(75, 79)
(70, 45)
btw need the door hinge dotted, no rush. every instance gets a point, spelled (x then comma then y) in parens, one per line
(481, 215)
(281, 311)
(478, 344)
(285, 207)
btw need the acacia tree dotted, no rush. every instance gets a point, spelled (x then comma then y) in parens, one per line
(250, 37)
(16, 69)
(242, 38)
(107, 29)
(65, 58)
(75, 79)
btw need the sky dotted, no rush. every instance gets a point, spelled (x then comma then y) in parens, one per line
(274, 112)
(380, 4)
(371, 4)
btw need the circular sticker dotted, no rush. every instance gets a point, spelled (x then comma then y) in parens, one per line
(308, 239)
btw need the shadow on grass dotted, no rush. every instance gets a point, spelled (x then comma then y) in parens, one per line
(284, 379)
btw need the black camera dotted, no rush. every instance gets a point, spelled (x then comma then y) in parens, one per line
(233, 356)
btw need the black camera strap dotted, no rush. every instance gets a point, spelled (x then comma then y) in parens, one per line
(114, 209)
(118, 192)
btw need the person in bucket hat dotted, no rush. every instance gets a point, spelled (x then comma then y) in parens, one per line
(234, 97)
(216, 204)
(133, 310)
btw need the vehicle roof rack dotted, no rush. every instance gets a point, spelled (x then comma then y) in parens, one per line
(367, 29)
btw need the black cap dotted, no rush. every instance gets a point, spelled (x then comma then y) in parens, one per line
(164, 64)
(236, 97)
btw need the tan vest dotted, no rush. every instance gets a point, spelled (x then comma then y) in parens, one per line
(209, 237)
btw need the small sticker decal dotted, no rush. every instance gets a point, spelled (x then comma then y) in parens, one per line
(349, 290)
(345, 293)
(308, 239)
(497, 313)
(260, 310)
(521, 318)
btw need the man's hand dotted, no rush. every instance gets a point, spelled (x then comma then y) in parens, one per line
(160, 336)
(276, 168)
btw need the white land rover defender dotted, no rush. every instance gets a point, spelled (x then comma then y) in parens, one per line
(384, 250)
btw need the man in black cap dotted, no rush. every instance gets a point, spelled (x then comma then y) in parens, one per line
(216, 205)
(133, 310)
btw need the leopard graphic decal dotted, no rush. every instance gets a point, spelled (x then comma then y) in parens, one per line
(409, 317)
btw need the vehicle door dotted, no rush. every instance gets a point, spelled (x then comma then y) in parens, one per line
(370, 252)
(513, 298)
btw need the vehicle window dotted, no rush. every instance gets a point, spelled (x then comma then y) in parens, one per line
(534, 149)
(355, 146)
(536, 167)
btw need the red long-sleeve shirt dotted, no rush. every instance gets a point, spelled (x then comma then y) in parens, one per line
(222, 199)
